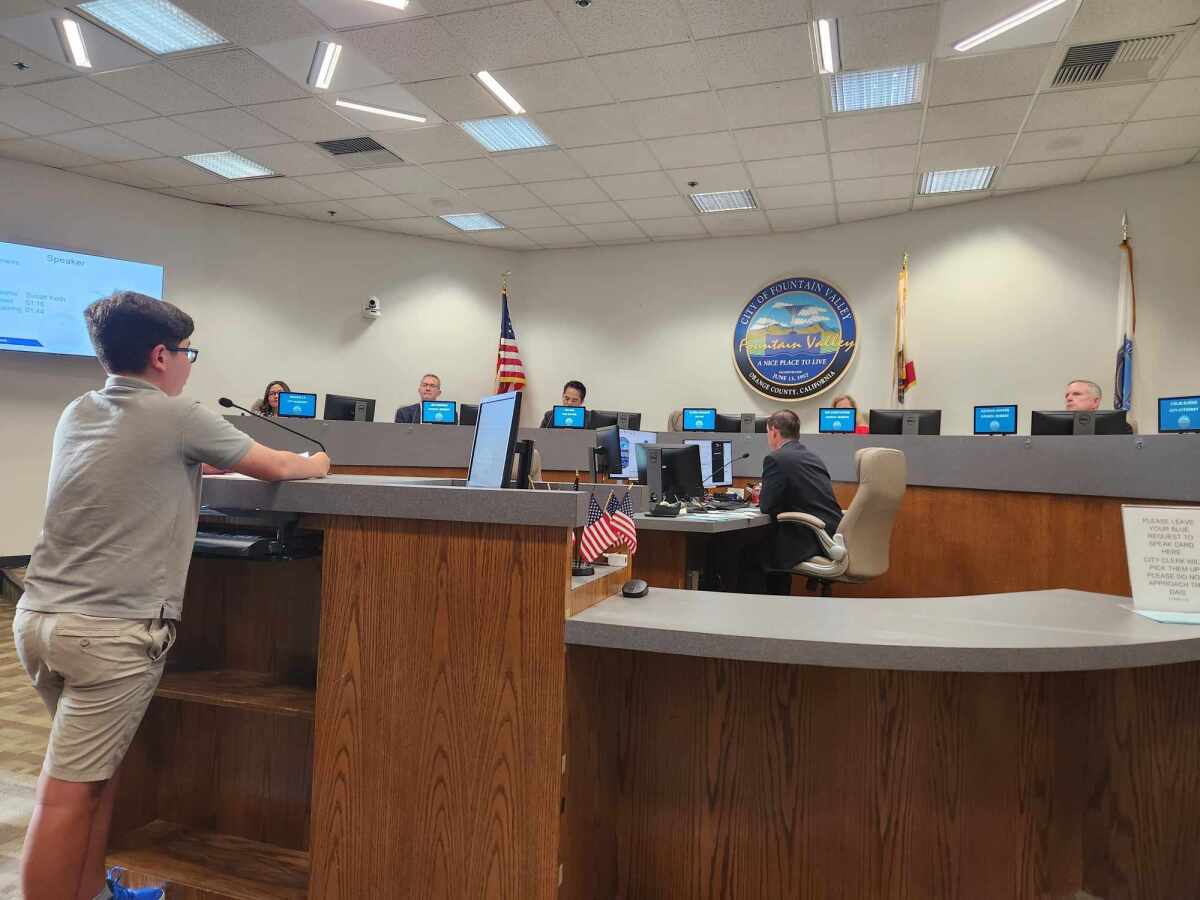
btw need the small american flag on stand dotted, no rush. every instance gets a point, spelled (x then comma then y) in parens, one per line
(510, 373)
(597, 534)
(621, 517)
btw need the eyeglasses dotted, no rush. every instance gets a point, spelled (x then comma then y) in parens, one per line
(191, 352)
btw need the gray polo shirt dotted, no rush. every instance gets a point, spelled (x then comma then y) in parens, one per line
(123, 502)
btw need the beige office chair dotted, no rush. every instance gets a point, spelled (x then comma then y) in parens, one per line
(535, 468)
(860, 549)
(675, 421)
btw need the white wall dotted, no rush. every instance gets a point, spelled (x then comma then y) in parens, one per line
(1009, 298)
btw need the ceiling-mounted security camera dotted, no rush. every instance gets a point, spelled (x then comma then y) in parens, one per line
(373, 308)
(583, 4)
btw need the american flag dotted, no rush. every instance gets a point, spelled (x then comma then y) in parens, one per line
(597, 534)
(510, 373)
(621, 517)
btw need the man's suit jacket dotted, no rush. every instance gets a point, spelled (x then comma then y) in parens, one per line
(795, 480)
(409, 415)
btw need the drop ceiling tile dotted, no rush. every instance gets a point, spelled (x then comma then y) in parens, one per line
(790, 170)
(545, 164)
(966, 153)
(284, 211)
(710, 18)
(889, 38)
(538, 217)
(557, 85)
(979, 119)
(305, 120)
(293, 159)
(1063, 143)
(771, 141)
(560, 236)
(1011, 74)
(610, 124)
(674, 227)
(404, 180)
(38, 67)
(653, 72)
(760, 56)
(320, 210)
(576, 190)
(1187, 63)
(160, 89)
(457, 99)
(113, 172)
(438, 143)
(858, 190)
(612, 27)
(637, 186)
(1107, 19)
(800, 218)
(427, 227)
(104, 145)
(469, 173)
(881, 129)
(772, 104)
(84, 98)
(616, 159)
(1042, 174)
(1179, 97)
(658, 207)
(819, 193)
(511, 240)
(519, 34)
(384, 208)
(507, 196)
(696, 150)
(591, 213)
(613, 232)
(1129, 163)
(233, 128)
(932, 200)
(1158, 134)
(286, 190)
(854, 212)
(10, 134)
(681, 114)
(1090, 106)
(233, 194)
(167, 137)
(731, 177)
(237, 76)
(364, 224)
(442, 203)
(874, 163)
(36, 150)
(253, 23)
(171, 172)
(31, 115)
(745, 221)
(339, 185)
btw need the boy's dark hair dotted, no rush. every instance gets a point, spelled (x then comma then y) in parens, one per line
(126, 326)
(786, 422)
(578, 385)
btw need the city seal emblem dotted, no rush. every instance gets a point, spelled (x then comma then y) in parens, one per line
(794, 339)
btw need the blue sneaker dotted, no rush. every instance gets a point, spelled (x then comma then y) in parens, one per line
(120, 892)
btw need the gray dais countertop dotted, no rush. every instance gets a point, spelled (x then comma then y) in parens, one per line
(1033, 631)
(699, 523)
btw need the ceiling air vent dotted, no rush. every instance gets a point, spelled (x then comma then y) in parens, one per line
(359, 153)
(1131, 59)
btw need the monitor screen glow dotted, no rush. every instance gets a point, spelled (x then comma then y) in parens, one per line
(439, 412)
(491, 454)
(699, 419)
(296, 405)
(996, 419)
(725, 473)
(1178, 414)
(629, 441)
(570, 417)
(834, 420)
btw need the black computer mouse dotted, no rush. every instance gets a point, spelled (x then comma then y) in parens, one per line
(635, 587)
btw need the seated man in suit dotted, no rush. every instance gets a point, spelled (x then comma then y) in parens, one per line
(430, 388)
(574, 393)
(794, 480)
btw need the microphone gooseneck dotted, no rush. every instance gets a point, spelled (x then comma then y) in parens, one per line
(727, 464)
(227, 403)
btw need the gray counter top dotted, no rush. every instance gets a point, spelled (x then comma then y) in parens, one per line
(699, 523)
(396, 498)
(1034, 631)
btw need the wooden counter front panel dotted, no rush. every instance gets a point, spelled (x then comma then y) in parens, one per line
(439, 711)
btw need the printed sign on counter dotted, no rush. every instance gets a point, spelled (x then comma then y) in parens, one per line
(1162, 544)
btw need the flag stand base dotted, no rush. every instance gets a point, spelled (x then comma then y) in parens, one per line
(579, 570)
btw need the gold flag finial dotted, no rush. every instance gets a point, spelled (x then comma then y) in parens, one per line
(1125, 225)
(905, 259)
(504, 281)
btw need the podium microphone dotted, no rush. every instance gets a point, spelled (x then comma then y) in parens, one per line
(227, 403)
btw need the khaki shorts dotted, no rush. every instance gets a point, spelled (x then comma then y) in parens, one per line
(96, 676)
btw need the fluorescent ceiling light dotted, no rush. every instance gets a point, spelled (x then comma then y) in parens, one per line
(378, 110)
(948, 181)
(71, 36)
(229, 165)
(876, 88)
(394, 4)
(506, 133)
(157, 25)
(825, 38)
(473, 222)
(325, 60)
(500, 93)
(1017, 18)
(724, 201)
